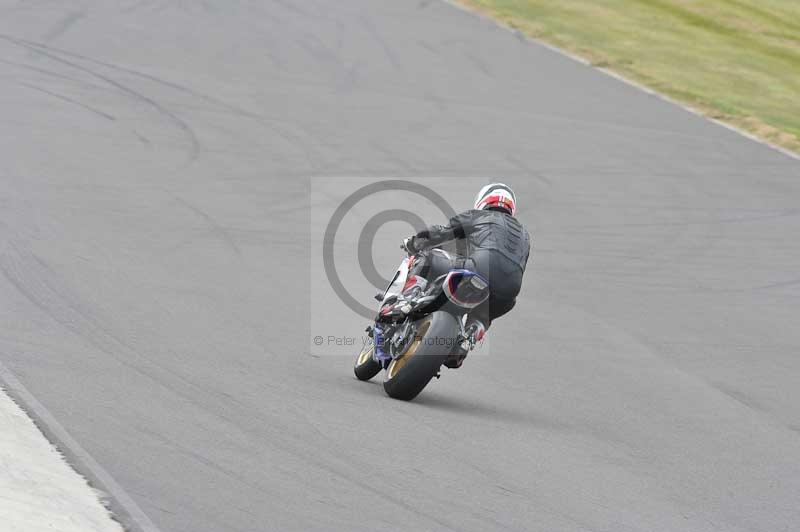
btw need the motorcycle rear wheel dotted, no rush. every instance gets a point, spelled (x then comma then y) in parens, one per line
(407, 375)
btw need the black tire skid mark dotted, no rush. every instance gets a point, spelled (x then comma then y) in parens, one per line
(70, 100)
(194, 143)
(54, 74)
(214, 227)
(35, 280)
(64, 24)
(313, 156)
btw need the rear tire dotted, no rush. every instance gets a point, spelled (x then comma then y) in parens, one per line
(407, 375)
(366, 367)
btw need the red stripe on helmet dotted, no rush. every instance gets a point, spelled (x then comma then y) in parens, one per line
(497, 201)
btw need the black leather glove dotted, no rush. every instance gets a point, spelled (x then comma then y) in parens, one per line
(408, 245)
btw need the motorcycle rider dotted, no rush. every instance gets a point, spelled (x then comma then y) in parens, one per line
(490, 242)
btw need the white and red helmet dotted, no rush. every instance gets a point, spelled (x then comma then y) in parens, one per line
(496, 196)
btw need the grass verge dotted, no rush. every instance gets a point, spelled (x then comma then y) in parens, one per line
(737, 61)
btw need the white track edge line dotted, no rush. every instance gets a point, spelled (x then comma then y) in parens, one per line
(620, 77)
(122, 506)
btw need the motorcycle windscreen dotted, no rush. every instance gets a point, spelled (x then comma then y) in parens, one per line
(398, 281)
(465, 288)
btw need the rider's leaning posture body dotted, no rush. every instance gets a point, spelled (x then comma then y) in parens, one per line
(494, 244)
(439, 304)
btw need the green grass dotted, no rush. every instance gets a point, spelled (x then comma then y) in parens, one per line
(734, 60)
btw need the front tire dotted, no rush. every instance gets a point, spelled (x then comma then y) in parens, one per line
(407, 375)
(366, 367)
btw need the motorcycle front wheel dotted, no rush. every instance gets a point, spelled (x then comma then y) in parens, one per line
(434, 340)
(366, 367)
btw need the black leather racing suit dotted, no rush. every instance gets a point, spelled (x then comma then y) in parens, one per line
(490, 242)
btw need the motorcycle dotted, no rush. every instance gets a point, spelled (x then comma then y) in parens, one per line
(420, 327)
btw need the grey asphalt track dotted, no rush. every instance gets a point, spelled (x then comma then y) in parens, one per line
(155, 163)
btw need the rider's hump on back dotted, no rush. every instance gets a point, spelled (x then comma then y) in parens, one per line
(500, 232)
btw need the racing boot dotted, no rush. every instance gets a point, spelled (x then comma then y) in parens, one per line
(476, 331)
